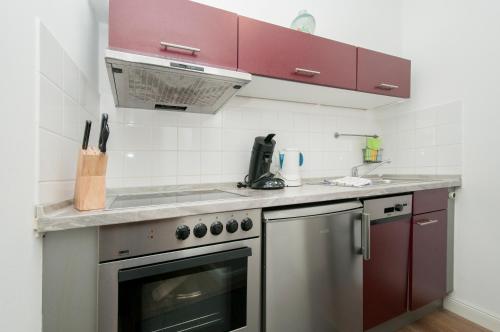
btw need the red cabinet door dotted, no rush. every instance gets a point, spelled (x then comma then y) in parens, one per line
(196, 33)
(385, 275)
(383, 74)
(428, 261)
(269, 50)
(430, 200)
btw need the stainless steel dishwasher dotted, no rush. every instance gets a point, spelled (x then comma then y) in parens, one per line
(313, 268)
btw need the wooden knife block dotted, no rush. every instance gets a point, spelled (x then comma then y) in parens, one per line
(90, 186)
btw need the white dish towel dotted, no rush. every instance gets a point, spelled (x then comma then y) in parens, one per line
(349, 181)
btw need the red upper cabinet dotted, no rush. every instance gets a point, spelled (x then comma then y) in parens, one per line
(383, 74)
(269, 50)
(178, 29)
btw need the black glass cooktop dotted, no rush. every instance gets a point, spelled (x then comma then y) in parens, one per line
(136, 200)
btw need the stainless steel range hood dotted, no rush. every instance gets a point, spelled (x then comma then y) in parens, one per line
(139, 81)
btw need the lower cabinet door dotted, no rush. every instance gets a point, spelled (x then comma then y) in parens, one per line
(428, 265)
(385, 275)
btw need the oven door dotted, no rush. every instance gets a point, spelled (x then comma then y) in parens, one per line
(213, 288)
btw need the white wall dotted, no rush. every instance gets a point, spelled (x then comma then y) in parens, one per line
(72, 23)
(454, 51)
(370, 24)
(20, 258)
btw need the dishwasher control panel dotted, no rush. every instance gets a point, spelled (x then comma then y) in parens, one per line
(387, 207)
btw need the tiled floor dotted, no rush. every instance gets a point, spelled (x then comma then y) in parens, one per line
(443, 321)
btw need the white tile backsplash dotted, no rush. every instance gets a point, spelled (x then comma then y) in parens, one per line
(55, 191)
(425, 118)
(51, 56)
(137, 164)
(218, 147)
(115, 163)
(73, 117)
(189, 163)
(407, 139)
(189, 139)
(211, 163)
(425, 137)
(449, 155)
(50, 163)
(66, 101)
(235, 163)
(164, 163)
(188, 120)
(51, 106)
(71, 78)
(433, 145)
(132, 116)
(449, 134)
(211, 120)
(211, 139)
(164, 138)
(129, 137)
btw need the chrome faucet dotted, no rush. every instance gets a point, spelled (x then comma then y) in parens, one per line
(355, 169)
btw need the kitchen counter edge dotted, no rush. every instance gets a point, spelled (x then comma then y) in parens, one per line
(62, 216)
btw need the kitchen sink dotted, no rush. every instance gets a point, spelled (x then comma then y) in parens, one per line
(379, 181)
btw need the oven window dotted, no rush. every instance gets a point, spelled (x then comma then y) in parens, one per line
(175, 296)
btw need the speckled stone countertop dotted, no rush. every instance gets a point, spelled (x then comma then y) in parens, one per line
(62, 216)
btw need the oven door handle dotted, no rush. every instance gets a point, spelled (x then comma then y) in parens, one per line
(182, 264)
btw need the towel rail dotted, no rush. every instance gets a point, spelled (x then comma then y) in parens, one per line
(337, 135)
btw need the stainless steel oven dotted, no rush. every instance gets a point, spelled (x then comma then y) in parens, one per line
(197, 273)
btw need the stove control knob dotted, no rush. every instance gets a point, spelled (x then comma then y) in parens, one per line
(398, 207)
(216, 228)
(232, 226)
(200, 230)
(182, 232)
(246, 224)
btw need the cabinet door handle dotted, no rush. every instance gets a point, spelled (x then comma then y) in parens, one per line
(365, 236)
(427, 222)
(306, 72)
(193, 50)
(386, 86)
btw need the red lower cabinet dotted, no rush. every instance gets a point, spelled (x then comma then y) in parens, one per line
(385, 275)
(428, 258)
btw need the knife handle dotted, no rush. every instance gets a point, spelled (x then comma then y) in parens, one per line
(105, 135)
(104, 122)
(104, 128)
(86, 134)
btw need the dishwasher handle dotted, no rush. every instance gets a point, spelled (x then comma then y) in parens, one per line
(365, 236)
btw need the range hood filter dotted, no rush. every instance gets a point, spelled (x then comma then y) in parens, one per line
(147, 82)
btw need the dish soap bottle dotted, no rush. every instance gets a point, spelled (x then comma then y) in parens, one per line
(304, 22)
